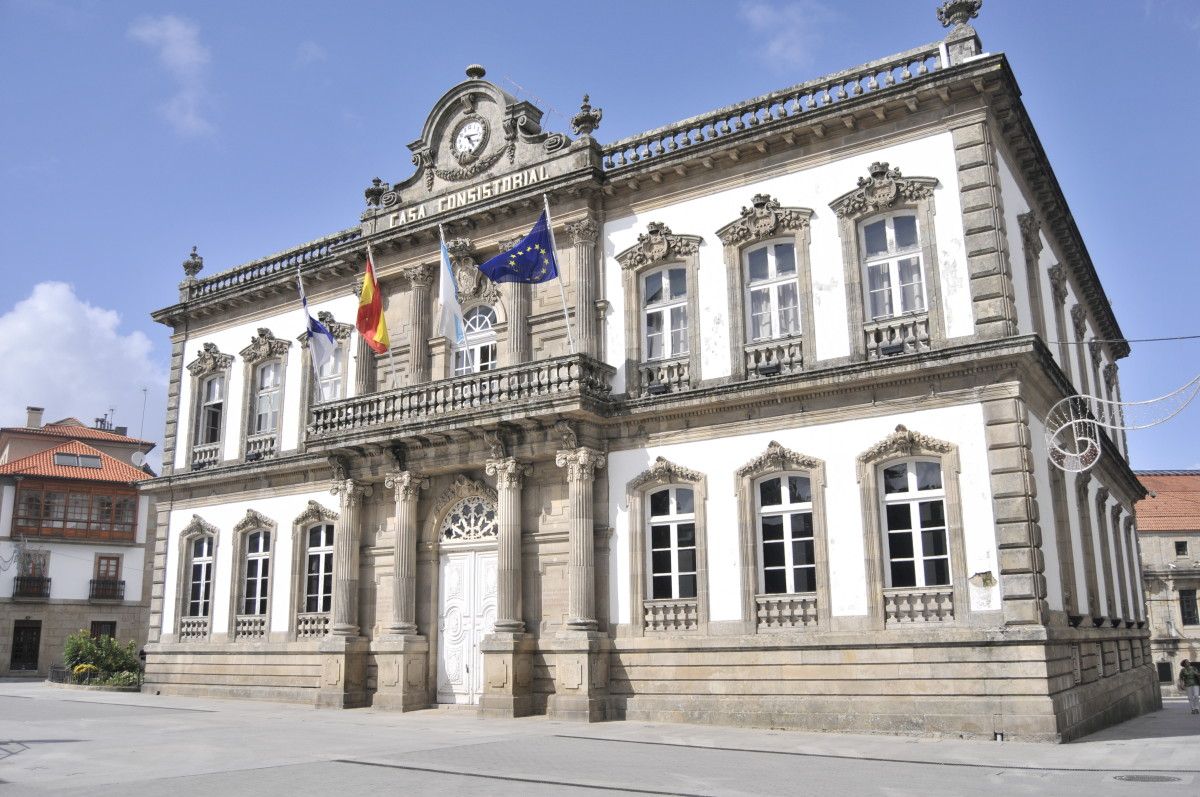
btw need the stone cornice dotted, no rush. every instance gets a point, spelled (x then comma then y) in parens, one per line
(763, 219)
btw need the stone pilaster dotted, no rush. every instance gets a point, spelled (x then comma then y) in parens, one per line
(581, 465)
(364, 375)
(583, 241)
(420, 277)
(407, 486)
(510, 475)
(347, 535)
(173, 387)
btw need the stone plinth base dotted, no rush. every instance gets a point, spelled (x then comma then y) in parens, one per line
(507, 675)
(580, 677)
(343, 672)
(401, 661)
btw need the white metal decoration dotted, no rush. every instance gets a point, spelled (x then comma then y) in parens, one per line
(1073, 424)
(472, 518)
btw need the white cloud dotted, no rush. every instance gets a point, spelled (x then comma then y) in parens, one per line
(180, 52)
(72, 358)
(309, 52)
(790, 33)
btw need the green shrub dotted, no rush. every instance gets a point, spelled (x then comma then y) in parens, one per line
(85, 672)
(122, 679)
(104, 653)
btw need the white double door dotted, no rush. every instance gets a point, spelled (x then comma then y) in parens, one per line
(467, 611)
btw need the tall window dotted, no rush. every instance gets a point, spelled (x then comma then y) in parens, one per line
(665, 313)
(914, 511)
(895, 281)
(330, 378)
(318, 581)
(772, 292)
(200, 577)
(1187, 607)
(672, 522)
(257, 570)
(478, 350)
(212, 410)
(266, 397)
(108, 568)
(785, 533)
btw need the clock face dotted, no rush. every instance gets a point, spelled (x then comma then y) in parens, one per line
(470, 137)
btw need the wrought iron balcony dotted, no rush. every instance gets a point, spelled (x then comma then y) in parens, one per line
(546, 385)
(36, 587)
(107, 589)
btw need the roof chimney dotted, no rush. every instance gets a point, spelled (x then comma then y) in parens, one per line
(122, 430)
(33, 417)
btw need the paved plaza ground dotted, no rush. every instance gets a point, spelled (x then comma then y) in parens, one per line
(66, 742)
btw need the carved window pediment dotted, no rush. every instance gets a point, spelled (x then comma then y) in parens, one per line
(777, 458)
(882, 190)
(315, 513)
(210, 360)
(254, 520)
(763, 219)
(263, 346)
(663, 471)
(904, 443)
(658, 245)
(197, 526)
(462, 487)
(340, 331)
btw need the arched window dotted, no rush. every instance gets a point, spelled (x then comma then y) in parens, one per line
(892, 269)
(478, 350)
(318, 572)
(212, 410)
(671, 519)
(267, 383)
(914, 519)
(787, 549)
(200, 576)
(772, 291)
(257, 572)
(665, 313)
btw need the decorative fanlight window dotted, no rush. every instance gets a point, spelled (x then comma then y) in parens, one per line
(470, 519)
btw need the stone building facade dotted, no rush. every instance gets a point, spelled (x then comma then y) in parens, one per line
(792, 475)
(75, 539)
(1169, 529)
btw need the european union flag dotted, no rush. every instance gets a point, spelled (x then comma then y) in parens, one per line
(532, 260)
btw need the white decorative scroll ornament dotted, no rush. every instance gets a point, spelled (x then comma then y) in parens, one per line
(1073, 424)
(472, 518)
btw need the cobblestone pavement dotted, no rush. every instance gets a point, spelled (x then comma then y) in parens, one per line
(58, 741)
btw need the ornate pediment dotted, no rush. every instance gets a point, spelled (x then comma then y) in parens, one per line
(254, 520)
(263, 346)
(209, 361)
(461, 488)
(904, 443)
(315, 513)
(775, 458)
(663, 471)
(763, 219)
(657, 245)
(340, 332)
(197, 526)
(883, 189)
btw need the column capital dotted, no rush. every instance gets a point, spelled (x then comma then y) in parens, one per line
(581, 463)
(509, 472)
(349, 491)
(584, 231)
(420, 275)
(406, 483)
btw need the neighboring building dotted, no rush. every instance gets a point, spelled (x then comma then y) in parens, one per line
(75, 539)
(1168, 521)
(795, 475)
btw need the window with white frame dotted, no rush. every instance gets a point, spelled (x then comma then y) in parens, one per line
(672, 522)
(257, 572)
(267, 382)
(200, 575)
(914, 512)
(478, 350)
(318, 573)
(212, 410)
(787, 553)
(665, 313)
(330, 378)
(772, 291)
(894, 276)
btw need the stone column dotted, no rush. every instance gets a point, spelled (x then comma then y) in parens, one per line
(420, 277)
(344, 621)
(520, 344)
(581, 465)
(364, 374)
(407, 486)
(510, 474)
(583, 240)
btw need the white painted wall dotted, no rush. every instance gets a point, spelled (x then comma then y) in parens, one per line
(812, 187)
(287, 325)
(283, 509)
(838, 444)
(8, 500)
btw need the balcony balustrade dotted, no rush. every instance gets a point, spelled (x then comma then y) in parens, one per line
(671, 615)
(889, 337)
(312, 625)
(31, 587)
(774, 357)
(250, 626)
(260, 446)
(914, 605)
(193, 629)
(207, 455)
(786, 611)
(664, 376)
(106, 589)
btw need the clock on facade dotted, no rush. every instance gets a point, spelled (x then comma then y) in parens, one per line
(469, 138)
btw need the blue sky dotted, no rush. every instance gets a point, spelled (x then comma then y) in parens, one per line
(133, 130)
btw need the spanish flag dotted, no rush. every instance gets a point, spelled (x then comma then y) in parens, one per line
(371, 324)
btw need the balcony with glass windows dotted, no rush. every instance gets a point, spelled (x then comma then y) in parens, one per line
(76, 512)
(36, 588)
(550, 387)
(106, 589)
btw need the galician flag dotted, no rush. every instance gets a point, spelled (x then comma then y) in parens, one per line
(321, 345)
(450, 314)
(371, 324)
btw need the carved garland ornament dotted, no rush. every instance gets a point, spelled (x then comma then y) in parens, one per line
(883, 189)
(264, 345)
(197, 526)
(776, 457)
(209, 361)
(462, 487)
(903, 442)
(656, 245)
(664, 471)
(763, 219)
(315, 513)
(254, 520)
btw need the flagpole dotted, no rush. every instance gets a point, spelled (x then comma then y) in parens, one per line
(391, 356)
(561, 291)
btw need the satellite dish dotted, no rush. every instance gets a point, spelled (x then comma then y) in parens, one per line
(138, 458)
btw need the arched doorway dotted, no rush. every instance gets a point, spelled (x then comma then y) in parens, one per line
(467, 596)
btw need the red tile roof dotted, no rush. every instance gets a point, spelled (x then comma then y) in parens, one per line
(42, 464)
(1174, 503)
(72, 428)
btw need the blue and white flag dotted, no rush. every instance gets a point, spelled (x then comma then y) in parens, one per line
(450, 314)
(321, 345)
